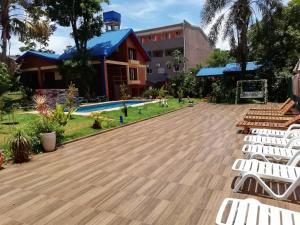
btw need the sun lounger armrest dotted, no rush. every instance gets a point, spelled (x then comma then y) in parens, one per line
(221, 211)
(294, 160)
(292, 141)
(293, 126)
(235, 164)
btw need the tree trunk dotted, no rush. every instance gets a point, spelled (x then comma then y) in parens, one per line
(5, 28)
(244, 52)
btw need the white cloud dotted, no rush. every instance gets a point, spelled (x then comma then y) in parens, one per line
(59, 43)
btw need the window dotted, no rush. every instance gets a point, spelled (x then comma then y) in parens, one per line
(161, 70)
(133, 74)
(158, 53)
(132, 53)
(170, 51)
(149, 70)
(168, 36)
(178, 33)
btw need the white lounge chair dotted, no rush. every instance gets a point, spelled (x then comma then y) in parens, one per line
(261, 171)
(292, 156)
(273, 141)
(252, 212)
(292, 131)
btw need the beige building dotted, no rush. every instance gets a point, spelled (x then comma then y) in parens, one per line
(162, 41)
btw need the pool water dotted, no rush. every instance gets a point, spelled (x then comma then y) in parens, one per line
(108, 105)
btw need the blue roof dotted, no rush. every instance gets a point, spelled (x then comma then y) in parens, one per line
(43, 55)
(105, 44)
(216, 71)
(229, 68)
(102, 46)
(235, 67)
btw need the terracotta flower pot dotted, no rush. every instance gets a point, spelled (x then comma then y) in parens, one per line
(48, 141)
(1, 160)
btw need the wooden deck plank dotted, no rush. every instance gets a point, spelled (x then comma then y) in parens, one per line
(174, 169)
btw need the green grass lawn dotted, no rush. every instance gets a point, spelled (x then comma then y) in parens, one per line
(80, 126)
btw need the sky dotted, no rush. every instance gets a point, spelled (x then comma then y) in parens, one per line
(138, 15)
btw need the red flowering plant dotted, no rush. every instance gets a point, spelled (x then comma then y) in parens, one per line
(41, 106)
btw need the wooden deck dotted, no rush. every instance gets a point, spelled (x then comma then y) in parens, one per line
(171, 170)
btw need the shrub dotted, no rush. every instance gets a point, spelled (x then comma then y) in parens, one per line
(153, 92)
(59, 116)
(162, 92)
(99, 118)
(20, 145)
(216, 92)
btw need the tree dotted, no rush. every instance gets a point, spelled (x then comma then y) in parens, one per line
(25, 19)
(219, 58)
(84, 17)
(233, 19)
(275, 42)
(178, 61)
(5, 81)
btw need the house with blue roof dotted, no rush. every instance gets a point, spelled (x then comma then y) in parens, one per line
(118, 57)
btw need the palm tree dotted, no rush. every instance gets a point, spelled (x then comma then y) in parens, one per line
(233, 19)
(23, 19)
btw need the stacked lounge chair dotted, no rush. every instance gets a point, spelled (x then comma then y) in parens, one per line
(285, 111)
(272, 108)
(270, 155)
(275, 119)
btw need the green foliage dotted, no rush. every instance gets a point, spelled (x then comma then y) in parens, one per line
(5, 79)
(189, 85)
(85, 19)
(275, 43)
(99, 119)
(219, 58)
(25, 19)
(19, 144)
(281, 84)
(124, 92)
(151, 93)
(231, 20)
(162, 92)
(180, 94)
(177, 62)
(71, 95)
(196, 69)
(216, 92)
(59, 116)
(83, 16)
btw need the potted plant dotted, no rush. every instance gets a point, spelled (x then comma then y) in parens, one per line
(46, 127)
(2, 158)
(19, 144)
(48, 135)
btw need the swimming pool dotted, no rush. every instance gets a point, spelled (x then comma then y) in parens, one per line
(108, 106)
